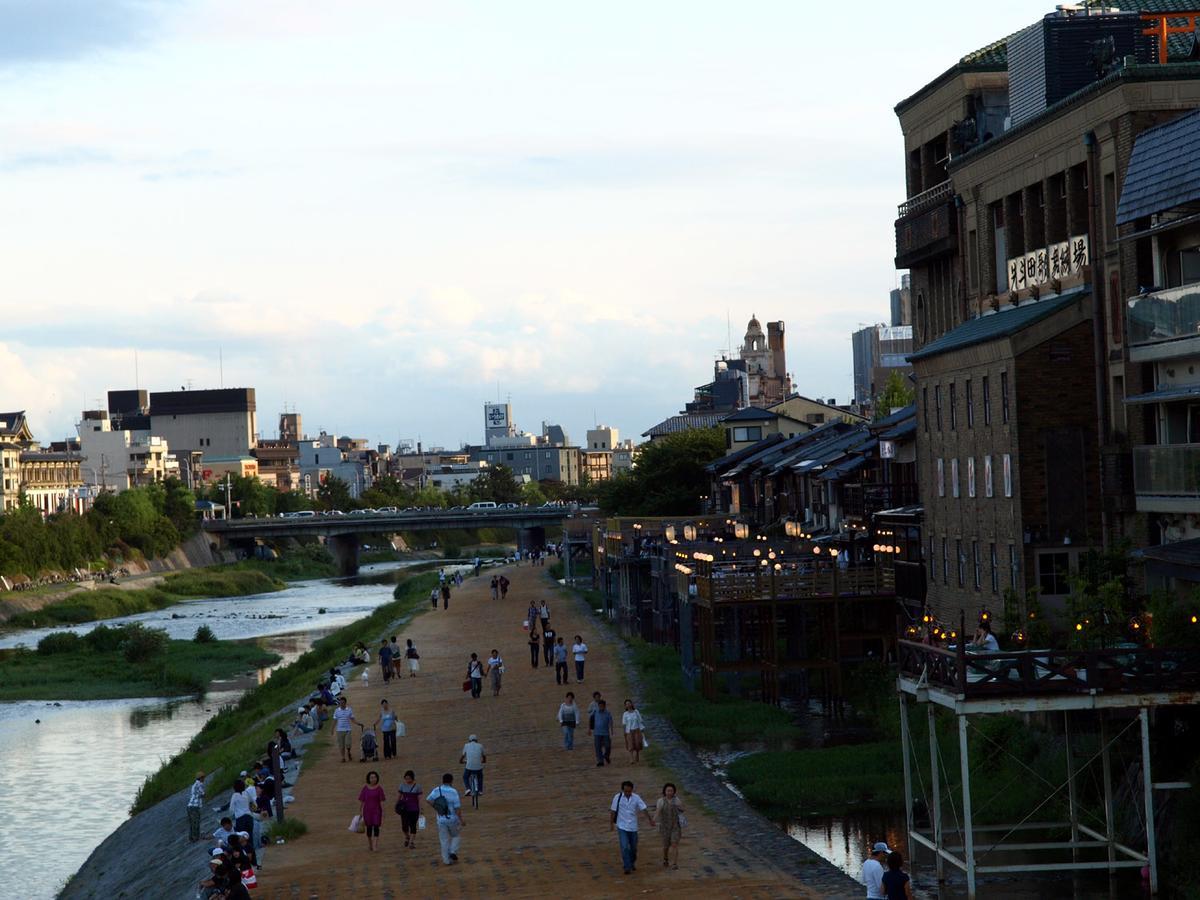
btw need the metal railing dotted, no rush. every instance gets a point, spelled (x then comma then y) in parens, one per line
(1165, 315)
(939, 193)
(1014, 673)
(815, 580)
(1167, 470)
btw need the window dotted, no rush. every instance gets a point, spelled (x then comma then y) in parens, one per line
(954, 477)
(529, 456)
(925, 407)
(749, 433)
(953, 407)
(932, 555)
(941, 477)
(1053, 570)
(508, 456)
(945, 562)
(970, 405)
(973, 250)
(937, 403)
(987, 403)
(995, 569)
(1006, 462)
(1004, 397)
(988, 490)
(978, 565)
(970, 476)
(1012, 565)
(962, 562)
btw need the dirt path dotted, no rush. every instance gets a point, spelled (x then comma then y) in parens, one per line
(542, 829)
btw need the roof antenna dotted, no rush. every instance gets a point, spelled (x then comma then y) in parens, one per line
(136, 377)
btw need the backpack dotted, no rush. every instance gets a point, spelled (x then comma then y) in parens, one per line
(440, 804)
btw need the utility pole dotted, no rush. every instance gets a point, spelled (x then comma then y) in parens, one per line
(228, 488)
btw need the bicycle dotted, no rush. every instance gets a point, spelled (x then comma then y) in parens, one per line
(473, 789)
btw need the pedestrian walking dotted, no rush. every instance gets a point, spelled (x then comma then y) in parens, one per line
(872, 871)
(548, 645)
(535, 647)
(458, 579)
(544, 615)
(195, 805)
(397, 658)
(601, 725)
(670, 824)
(414, 659)
(475, 675)
(504, 583)
(343, 718)
(475, 562)
(385, 660)
(632, 724)
(896, 883)
(624, 808)
(445, 802)
(495, 671)
(433, 598)
(371, 799)
(568, 719)
(560, 663)
(408, 806)
(531, 615)
(495, 588)
(591, 711)
(446, 595)
(473, 758)
(580, 651)
(387, 727)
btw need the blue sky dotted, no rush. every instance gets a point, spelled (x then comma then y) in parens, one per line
(385, 214)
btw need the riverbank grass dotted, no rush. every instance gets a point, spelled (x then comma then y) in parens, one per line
(72, 668)
(239, 733)
(111, 603)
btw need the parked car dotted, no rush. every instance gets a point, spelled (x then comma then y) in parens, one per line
(482, 505)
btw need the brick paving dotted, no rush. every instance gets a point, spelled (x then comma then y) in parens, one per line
(542, 828)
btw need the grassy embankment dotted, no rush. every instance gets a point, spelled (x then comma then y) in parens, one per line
(109, 603)
(239, 733)
(131, 661)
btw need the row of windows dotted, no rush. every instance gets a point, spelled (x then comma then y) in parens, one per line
(988, 482)
(961, 561)
(969, 402)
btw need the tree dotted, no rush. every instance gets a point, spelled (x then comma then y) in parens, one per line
(496, 483)
(897, 393)
(179, 505)
(669, 477)
(334, 493)
(532, 494)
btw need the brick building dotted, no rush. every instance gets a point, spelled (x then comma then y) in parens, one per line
(1012, 183)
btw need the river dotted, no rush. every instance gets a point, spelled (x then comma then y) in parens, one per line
(69, 770)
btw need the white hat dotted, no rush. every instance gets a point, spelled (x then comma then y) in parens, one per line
(218, 852)
(472, 737)
(244, 834)
(881, 847)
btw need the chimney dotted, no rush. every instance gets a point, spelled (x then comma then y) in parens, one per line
(775, 345)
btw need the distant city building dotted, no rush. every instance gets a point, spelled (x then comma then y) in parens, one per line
(622, 457)
(448, 476)
(497, 422)
(215, 422)
(879, 350)
(901, 301)
(766, 363)
(15, 436)
(539, 462)
(322, 459)
(555, 435)
(117, 459)
(47, 479)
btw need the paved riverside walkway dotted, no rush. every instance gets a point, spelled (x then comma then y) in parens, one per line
(542, 826)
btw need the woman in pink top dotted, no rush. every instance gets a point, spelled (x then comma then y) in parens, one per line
(371, 800)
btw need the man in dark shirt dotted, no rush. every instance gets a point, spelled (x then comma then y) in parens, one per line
(385, 660)
(548, 644)
(602, 725)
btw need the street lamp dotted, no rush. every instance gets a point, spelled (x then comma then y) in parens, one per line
(669, 534)
(741, 530)
(689, 532)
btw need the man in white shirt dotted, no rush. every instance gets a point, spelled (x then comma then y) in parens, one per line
(580, 649)
(624, 809)
(872, 871)
(445, 801)
(473, 757)
(343, 717)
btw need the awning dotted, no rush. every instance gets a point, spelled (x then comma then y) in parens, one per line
(1167, 394)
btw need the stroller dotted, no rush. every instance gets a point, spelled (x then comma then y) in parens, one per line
(370, 747)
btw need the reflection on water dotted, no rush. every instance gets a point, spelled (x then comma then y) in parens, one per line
(68, 780)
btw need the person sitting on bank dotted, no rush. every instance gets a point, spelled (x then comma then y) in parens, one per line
(984, 641)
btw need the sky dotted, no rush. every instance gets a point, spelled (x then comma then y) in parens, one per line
(385, 214)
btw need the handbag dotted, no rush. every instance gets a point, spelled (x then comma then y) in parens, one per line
(440, 804)
(401, 731)
(399, 808)
(420, 823)
(354, 823)
(467, 685)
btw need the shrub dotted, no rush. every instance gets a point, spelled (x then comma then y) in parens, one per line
(143, 644)
(204, 635)
(104, 639)
(289, 829)
(60, 642)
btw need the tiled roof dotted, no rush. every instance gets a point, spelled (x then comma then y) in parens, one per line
(684, 422)
(750, 414)
(1164, 171)
(999, 324)
(904, 412)
(993, 55)
(11, 422)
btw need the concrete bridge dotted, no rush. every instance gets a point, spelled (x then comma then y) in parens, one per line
(342, 533)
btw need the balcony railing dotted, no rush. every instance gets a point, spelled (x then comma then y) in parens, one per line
(861, 500)
(1167, 470)
(939, 193)
(1165, 315)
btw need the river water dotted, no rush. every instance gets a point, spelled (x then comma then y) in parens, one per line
(69, 770)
